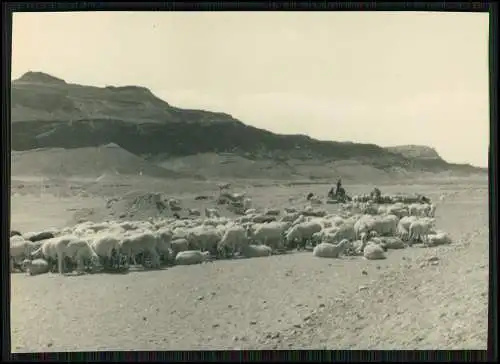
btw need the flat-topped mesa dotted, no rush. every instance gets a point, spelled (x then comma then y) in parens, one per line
(40, 77)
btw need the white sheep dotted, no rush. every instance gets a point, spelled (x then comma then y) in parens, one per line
(438, 238)
(403, 229)
(327, 250)
(340, 233)
(270, 234)
(190, 257)
(20, 249)
(302, 232)
(255, 251)
(35, 267)
(211, 212)
(419, 229)
(204, 238)
(140, 242)
(179, 245)
(234, 238)
(373, 251)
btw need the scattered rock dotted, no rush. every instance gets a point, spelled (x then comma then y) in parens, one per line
(144, 318)
(215, 325)
(229, 306)
(321, 305)
(298, 326)
(363, 288)
(235, 338)
(200, 298)
(253, 322)
(433, 259)
(364, 272)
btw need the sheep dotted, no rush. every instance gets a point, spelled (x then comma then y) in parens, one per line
(190, 257)
(194, 212)
(340, 233)
(255, 251)
(164, 242)
(419, 229)
(107, 248)
(19, 250)
(392, 242)
(438, 238)
(403, 229)
(290, 210)
(270, 234)
(204, 238)
(39, 236)
(224, 186)
(421, 210)
(327, 250)
(15, 233)
(82, 252)
(234, 238)
(373, 251)
(35, 267)
(247, 203)
(432, 210)
(290, 217)
(250, 211)
(140, 243)
(179, 245)
(210, 213)
(302, 233)
(272, 212)
(56, 249)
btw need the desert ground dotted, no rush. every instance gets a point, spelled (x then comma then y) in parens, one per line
(418, 298)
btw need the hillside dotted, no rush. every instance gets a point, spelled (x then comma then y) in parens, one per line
(85, 162)
(47, 112)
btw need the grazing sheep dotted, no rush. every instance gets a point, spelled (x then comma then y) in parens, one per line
(270, 234)
(140, 243)
(419, 229)
(234, 238)
(204, 238)
(301, 233)
(327, 250)
(403, 229)
(391, 242)
(190, 257)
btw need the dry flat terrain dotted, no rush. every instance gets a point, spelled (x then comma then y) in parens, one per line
(419, 298)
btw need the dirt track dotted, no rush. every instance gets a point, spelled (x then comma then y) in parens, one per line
(290, 301)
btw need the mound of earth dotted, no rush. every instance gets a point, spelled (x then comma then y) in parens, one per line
(85, 162)
(137, 205)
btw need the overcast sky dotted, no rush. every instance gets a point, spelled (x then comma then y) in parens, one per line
(387, 78)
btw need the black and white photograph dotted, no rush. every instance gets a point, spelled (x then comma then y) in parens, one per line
(249, 180)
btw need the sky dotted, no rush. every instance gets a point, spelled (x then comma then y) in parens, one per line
(388, 78)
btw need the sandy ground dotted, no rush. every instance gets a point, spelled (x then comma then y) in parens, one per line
(281, 302)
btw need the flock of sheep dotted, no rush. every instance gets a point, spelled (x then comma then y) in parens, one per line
(360, 228)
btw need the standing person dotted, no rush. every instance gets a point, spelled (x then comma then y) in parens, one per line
(339, 184)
